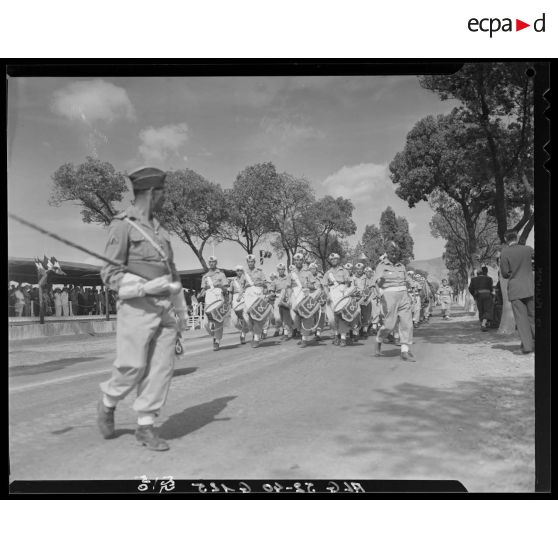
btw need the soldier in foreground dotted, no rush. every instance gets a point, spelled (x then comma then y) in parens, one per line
(391, 279)
(237, 312)
(146, 328)
(281, 287)
(445, 292)
(313, 268)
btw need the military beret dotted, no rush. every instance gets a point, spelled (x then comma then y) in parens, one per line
(359, 265)
(250, 258)
(313, 265)
(281, 265)
(368, 268)
(332, 256)
(348, 265)
(146, 178)
(211, 259)
(298, 256)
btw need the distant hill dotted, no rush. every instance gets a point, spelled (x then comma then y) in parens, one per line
(435, 267)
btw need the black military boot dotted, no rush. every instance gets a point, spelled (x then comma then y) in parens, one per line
(146, 436)
(105, 419)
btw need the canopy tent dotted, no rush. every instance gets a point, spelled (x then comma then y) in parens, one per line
(23, 270)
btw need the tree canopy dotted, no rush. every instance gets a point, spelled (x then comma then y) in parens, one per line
(95, 185)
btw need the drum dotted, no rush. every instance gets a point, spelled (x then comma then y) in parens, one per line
(214, 299)
(257, 304)
(306, 305)
(340, 297)
(351, 310)
(366, 296)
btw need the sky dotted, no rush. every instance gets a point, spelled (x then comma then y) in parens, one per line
(338, 132)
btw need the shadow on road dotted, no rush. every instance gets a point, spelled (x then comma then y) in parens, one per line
(184, 371)
(192, 419)
(483, 429)
(50, 366)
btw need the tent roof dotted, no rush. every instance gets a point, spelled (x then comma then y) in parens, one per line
(23, 270)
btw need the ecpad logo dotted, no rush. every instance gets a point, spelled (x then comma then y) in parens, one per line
(494, 24)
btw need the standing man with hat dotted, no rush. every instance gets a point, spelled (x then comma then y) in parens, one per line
(445, 292)
(148, 289)
(313, 268)
(236, 289)
(391, 279)
(214, 279)
(365, 286)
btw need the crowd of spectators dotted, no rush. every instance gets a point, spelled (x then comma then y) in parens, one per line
(70, 300)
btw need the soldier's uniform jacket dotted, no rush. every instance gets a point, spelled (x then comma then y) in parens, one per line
(237, 285)
(390, 275)
(217, 277)
(257, 276)
(339, 273)
(307, 280)
(445, 293)
(130, 249)
(280, 283)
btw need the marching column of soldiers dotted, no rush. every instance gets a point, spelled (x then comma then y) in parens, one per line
(387, 302)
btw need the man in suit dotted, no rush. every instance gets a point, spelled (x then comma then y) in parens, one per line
(516, 265)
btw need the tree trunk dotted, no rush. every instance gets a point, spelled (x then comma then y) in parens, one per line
(527, 230)
(507, 322)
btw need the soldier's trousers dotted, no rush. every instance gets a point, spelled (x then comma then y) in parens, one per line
(255, 326)
(396, 304)
(446, 306)
(484, 306)
(283, 318)
(376, 310)
(146, 332)
(213, 327)
(238, 321)
(415, 308)
(366, 315)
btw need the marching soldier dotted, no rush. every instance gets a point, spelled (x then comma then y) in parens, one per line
(375, 306)
(146, 329)
(309, 283)
(236, 290)
(445, 293)
(254, 277)
(414, 292)
(313, 268)
(363, 284)
(391, 279)
(337, 275)
(281, 288)
(214, 279)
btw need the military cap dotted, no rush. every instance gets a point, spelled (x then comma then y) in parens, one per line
(348, 265)
(367, 268)
(273, 276)
(292, 267)
(281, 265)
(146, 178)
(332, 256)
(250, 258)
(238, 268)
(313, 265)
(211, 259)
(359, 265)
(298, 256)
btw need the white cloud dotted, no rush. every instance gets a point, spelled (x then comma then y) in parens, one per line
(281, 132)
(359, 182)
(92, 101)
(159, 143)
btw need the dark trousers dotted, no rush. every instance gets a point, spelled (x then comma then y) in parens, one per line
(484, 305)
(524, 314)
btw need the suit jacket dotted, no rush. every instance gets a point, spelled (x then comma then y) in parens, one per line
(516, 266)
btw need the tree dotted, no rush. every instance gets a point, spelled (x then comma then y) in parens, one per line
(396, 229)
(250, 206)
(328, 221)
(194, 209)
(292, 200)
(95, 185)
(372, 244)
(498, 104)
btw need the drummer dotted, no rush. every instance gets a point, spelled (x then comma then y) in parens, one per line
(281, 287)
(236, 290)
(254, 277)
(214, 278)
(336, 275)
(309, 283)
(313, 268)
(364, 285)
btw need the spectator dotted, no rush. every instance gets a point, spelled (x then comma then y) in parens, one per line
(57, 302)
(74, 299)
(64, 299)
(516, 265)
(498, 305)
(19, 301)
(102, 301)
(112, 302)
(35, 300)
(82, 302)
(27, 297)
(11, 301)
(481, 290)
(98, 301)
